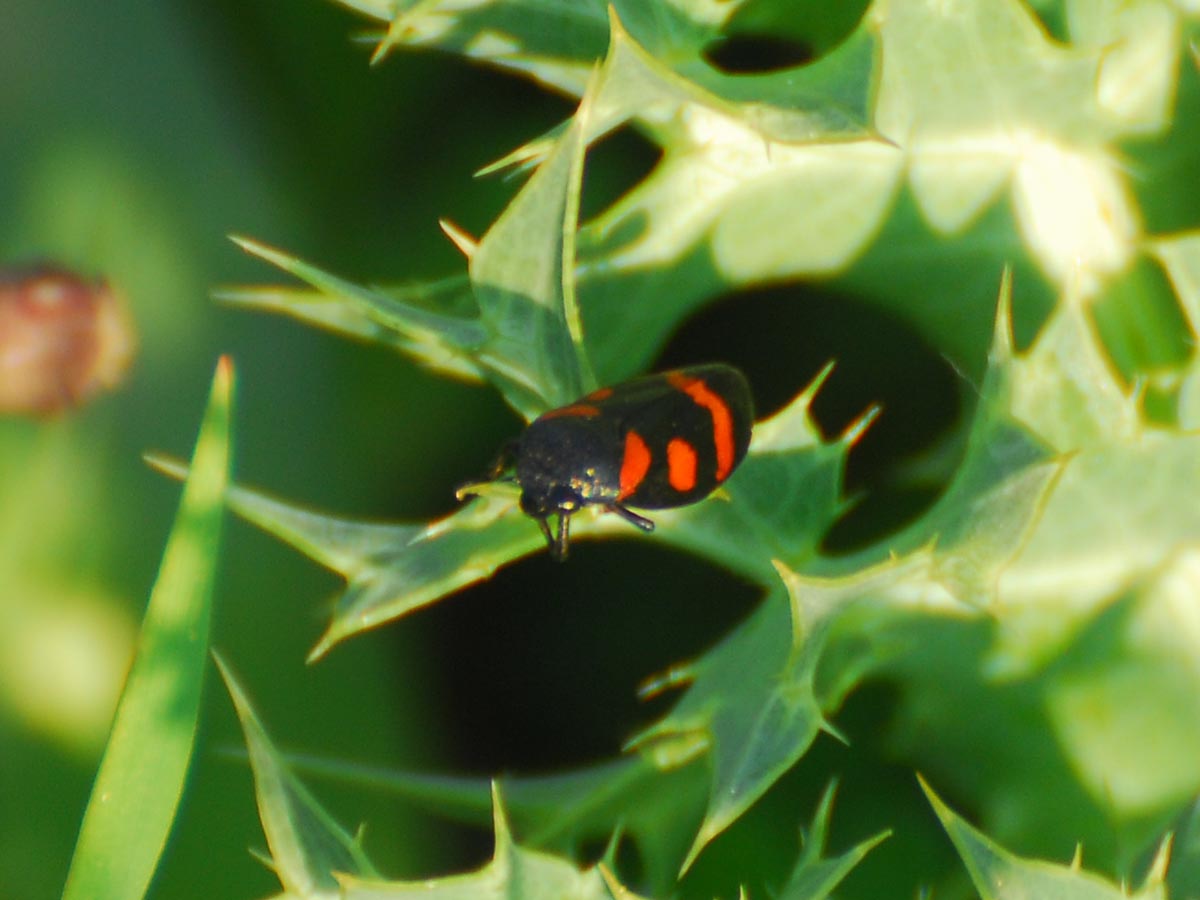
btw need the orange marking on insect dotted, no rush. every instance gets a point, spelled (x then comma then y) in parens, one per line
(600, 394)
(575, 409)
(681, 464)
(722, 419)
(635, 464)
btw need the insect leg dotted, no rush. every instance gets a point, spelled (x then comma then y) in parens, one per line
(631, 517)
(545, 526)
(560, 545)
(504, 461)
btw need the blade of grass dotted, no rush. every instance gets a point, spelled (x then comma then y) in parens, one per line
(141, 777)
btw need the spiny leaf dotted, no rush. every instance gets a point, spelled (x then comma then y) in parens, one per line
(1124, 696)
(1179, 255)
(1139, 62)
(1094, 535)
(351, 317)
(557, 46)
(307, 845)
(560, 811)
(1000, 875)
(1084, 576)
(694, 227)
(426, 331)
(1066, 391)
(523, 275)
(513, 872)
(752, 703)
(391, 569)
(815, 877)
(990, 507)
(979, 95)
(141, 777)
(779, 505)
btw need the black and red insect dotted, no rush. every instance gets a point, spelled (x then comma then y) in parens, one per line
(655, 442)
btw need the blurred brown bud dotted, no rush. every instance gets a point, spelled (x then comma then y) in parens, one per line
(63, 339)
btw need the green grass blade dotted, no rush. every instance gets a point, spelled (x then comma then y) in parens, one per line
(141, 777)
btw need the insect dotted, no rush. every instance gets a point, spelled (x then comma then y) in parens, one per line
(655, 442)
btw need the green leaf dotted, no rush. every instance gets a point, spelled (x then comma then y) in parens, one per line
(554, 42)
(142, 774)
(429, 335)
(523, 275)
(559, 812)
(514, 872)
(1083, 562)
(815, 877)
(1064, 391)
(1183, 875)
(998, 493)
(391, 569)
(1124, 698)
(1139, 64)
(735, 155)
(981, 99)
(753, 704)
(377, 321)
(1179, 255)
(307, 846)
(1000, 875)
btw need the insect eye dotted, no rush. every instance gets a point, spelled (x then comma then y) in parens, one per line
(534, 505)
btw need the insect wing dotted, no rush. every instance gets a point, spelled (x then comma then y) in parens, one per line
(683, 432)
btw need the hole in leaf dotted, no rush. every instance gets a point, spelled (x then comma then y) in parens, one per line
(782, 336)
(615, 164)
(768, 36)
(754, 54)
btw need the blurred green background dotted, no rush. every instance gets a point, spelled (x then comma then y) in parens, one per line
(135, 138)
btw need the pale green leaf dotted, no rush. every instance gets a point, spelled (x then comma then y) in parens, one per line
(1124, 698)
(1000, 875)
(1179, 255)
(980, 98)
(145, 764)
(1139, 65)
(1066, 391)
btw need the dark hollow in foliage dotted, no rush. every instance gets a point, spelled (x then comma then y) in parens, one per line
(539, 666)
